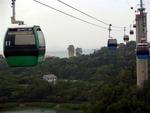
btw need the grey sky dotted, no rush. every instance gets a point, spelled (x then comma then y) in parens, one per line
(61, 30)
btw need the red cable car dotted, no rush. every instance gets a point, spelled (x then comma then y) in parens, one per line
(131, 32)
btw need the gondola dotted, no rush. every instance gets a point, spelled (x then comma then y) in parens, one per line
(24, 46)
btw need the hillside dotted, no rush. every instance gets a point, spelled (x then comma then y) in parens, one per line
(105, 82)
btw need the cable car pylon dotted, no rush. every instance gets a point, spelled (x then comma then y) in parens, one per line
(142, 49)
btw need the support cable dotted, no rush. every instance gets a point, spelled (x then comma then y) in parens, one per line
(88, 15)
(96, 25)
(70, 15)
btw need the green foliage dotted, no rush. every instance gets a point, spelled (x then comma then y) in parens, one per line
(103, 82)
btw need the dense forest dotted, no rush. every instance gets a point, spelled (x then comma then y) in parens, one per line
(102, 82)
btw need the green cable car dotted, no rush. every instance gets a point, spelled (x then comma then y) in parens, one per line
(24, 46)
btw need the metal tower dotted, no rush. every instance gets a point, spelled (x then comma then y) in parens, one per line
(141, 37)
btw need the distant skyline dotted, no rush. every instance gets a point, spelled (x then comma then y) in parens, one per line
(61, 30)
(64, 53)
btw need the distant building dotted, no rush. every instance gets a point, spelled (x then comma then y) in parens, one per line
(71, 50)
(79, 51)
(51, 78)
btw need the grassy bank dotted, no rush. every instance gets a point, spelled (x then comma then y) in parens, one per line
(13, 105)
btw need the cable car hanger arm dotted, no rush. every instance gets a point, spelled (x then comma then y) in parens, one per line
(13, 18)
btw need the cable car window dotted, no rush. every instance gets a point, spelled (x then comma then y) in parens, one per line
(24, 40)
(10, 40)
(41, 37)
(22, 37)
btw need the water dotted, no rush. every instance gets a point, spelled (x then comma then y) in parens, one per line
(64, 54)
(38, 110)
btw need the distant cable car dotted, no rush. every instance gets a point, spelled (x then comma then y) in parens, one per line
(112, 43)
(134, 25)
(131, 32)
(126, 38)
(24, 46)
(142, 50)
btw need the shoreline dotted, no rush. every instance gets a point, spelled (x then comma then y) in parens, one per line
(20, 105)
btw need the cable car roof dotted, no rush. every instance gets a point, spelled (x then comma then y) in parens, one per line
(112, 39)
(22, 26)
(126, 36)
(143, 43)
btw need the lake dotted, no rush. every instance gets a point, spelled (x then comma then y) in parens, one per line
(39, 110)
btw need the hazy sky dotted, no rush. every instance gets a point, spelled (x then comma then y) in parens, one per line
(61, 30)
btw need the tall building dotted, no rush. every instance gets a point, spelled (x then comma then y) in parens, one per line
(71, 51)
(78, 51)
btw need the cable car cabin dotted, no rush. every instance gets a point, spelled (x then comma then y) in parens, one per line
(142, 51)
(134, 25)
(126, 38)
(112, 43)
(131, 32)
(24, 46)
